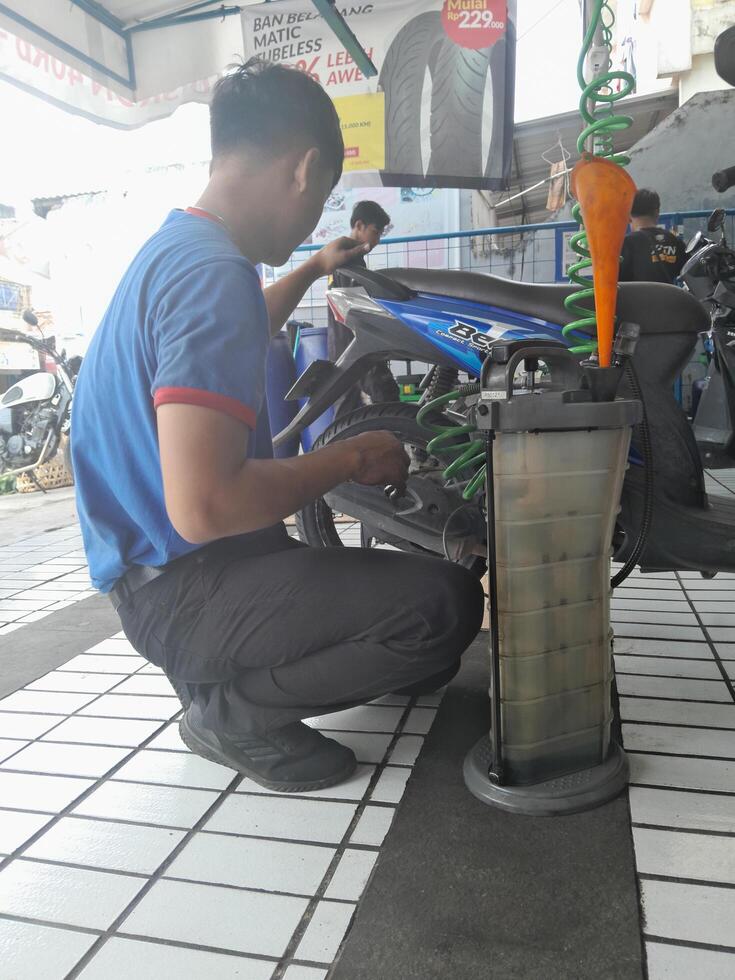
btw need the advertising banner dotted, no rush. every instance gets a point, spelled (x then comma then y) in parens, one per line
(440, 111)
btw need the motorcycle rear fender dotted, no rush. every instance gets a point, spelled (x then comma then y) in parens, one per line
(378, 337)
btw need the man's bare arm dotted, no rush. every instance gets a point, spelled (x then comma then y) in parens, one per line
(284, 296)
(213, 492)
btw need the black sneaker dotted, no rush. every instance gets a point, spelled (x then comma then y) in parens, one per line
(292, 759)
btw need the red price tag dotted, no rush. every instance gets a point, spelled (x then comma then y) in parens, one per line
(475, 23)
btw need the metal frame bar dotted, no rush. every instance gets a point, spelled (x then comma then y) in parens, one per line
(341, 29)
(101, 14)
(174, 20)
(676, 216)
(128, 83)
(189, 14)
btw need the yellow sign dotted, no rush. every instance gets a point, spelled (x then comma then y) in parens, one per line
(363, 130)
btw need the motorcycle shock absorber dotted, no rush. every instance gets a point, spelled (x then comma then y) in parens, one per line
(597, 107)
(441, 381)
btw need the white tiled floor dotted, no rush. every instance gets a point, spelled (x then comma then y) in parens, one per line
(119, 848)
(678, 710)
(127, 852)
(40, 575)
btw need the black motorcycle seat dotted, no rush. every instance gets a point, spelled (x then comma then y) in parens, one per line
(657, 307)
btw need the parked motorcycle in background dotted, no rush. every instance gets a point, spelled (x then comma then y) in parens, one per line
(709, 274)
(39, 408)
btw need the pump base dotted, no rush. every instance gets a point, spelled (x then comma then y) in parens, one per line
(566, 794)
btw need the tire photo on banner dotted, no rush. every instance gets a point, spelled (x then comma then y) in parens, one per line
(403, 78)
(462, 61)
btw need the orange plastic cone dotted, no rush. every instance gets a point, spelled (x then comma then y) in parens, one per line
(605, 193)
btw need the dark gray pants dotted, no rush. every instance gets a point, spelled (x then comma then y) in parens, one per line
(292, 632)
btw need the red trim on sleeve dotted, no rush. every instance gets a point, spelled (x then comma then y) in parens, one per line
(206, 399)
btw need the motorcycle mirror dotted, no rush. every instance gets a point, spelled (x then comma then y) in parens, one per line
(716, 220)
(725, 55)
(30, 318)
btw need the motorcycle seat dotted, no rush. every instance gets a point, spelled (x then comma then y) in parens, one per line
(657, 307)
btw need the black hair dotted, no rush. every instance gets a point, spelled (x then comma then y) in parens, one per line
(271, 108)
(369, 213)
(646, 204)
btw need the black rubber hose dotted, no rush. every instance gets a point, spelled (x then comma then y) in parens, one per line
(645, 434)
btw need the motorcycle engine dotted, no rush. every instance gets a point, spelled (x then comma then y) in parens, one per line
(27, 442)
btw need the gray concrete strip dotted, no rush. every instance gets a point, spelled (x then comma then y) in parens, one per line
(29, 653)
(26, 514)
(463, 891)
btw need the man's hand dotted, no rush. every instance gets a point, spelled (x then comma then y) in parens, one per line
(284, 296)
(380, 459)
(212, 491)
(340, 252)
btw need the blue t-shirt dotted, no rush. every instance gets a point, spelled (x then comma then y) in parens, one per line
(187, 324)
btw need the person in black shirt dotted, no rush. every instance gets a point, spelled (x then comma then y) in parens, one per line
(650, 253)
(367, 224)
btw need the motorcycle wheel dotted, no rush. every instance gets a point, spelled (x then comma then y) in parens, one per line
(316, 524)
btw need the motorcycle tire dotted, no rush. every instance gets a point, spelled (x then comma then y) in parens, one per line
(402, 77)
(315, 523)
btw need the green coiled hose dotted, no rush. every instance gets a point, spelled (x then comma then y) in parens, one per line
(596, 106)
(451, 440)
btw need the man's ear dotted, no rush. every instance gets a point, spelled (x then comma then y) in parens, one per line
(307, 169)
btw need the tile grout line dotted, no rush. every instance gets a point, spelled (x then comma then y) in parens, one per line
(635, 673)
(689, 944)
(675, 724)
(154, 878)
(165, 723)
(642, 877)
(306, 918)
(65, 811)
(653, 697)
(109, 776)
(694, 831)
(716, 655)
(229, 791)
(94, 818)
(39, 739)
(145, 876)
(154, 941)
(685, 789)
(637, 880)
(671, 755)
(678, 880)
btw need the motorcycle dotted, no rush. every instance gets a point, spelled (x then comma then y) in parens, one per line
(709, 274)
(40, 408)
(453, 320)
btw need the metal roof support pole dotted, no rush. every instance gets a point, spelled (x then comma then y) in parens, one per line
(344, 33)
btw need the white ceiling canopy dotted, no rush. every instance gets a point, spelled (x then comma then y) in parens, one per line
(124, 62)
